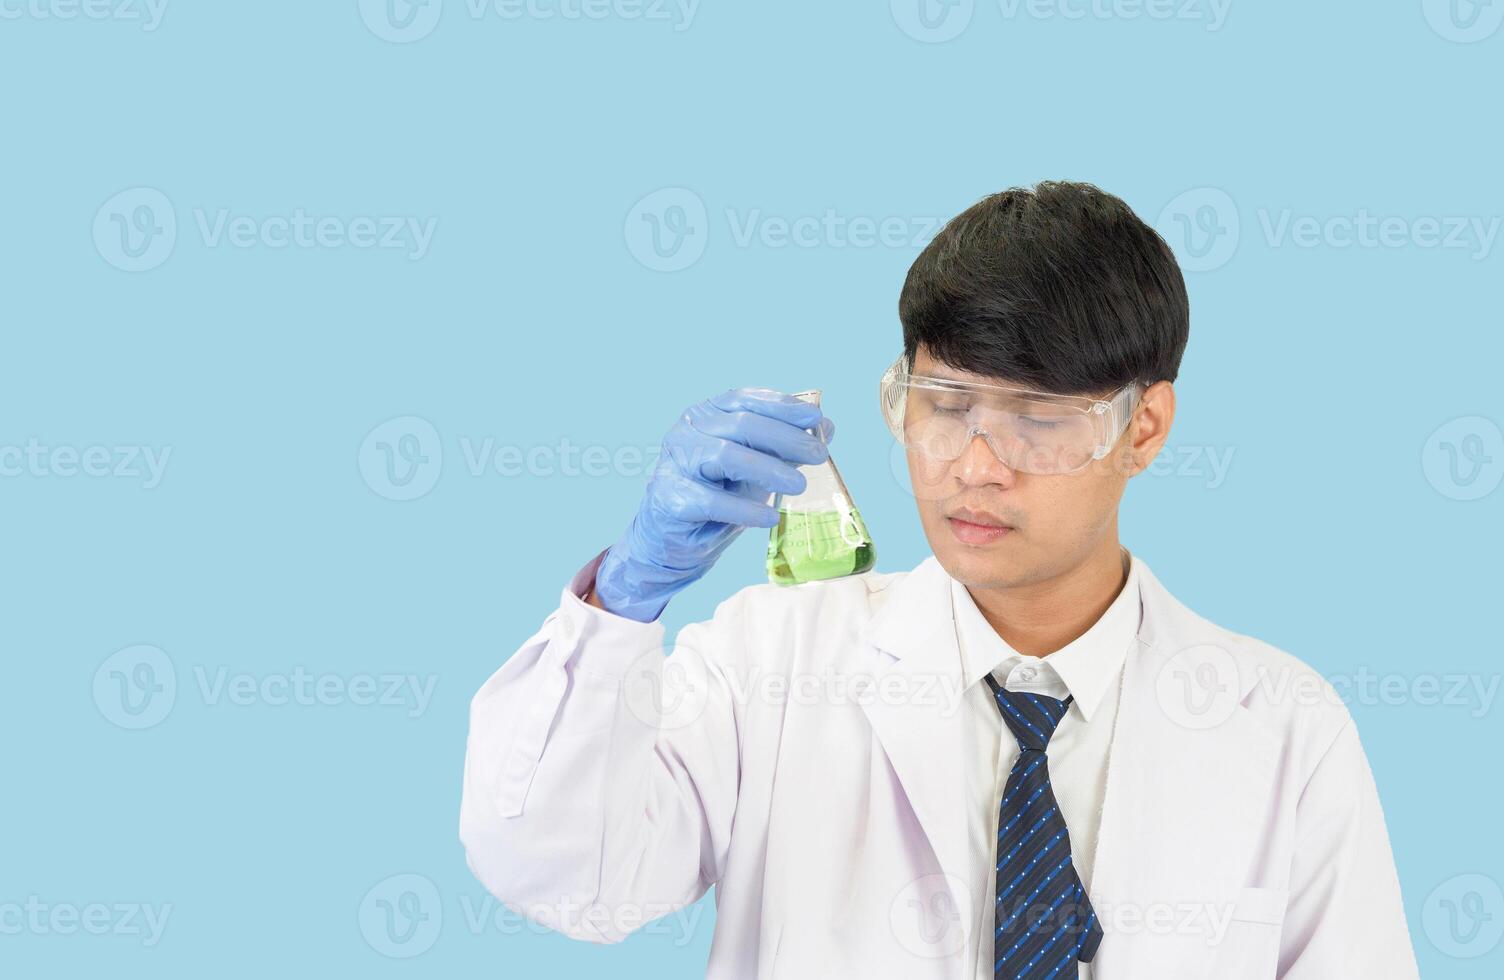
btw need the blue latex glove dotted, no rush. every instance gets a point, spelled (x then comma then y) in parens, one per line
(717, 468)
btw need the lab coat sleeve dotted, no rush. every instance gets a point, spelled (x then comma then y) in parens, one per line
(1345, 916)
(601, 777)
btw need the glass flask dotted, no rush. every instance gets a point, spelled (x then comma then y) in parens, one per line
(820, 534)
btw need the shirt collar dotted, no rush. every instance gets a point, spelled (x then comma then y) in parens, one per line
(1086, 665)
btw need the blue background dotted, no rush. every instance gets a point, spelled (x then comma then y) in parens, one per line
(1329, 376)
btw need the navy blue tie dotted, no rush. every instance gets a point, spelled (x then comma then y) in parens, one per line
(1044, 921)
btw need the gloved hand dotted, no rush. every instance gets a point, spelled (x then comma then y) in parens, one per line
(717, 467)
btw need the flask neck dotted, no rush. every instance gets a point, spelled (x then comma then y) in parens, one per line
(812, 396)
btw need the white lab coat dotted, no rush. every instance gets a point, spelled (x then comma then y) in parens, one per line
(811, 764)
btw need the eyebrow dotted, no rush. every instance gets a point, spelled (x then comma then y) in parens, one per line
(1014, 389)
(939, 369)
(941, 373)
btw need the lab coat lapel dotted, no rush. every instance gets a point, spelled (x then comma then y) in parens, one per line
(1189, 777)
(914, 707)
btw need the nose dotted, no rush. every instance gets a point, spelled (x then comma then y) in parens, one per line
(978, 464)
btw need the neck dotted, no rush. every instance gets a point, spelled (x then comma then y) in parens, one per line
(1036, 620)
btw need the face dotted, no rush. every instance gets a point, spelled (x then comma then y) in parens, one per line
(991, 526)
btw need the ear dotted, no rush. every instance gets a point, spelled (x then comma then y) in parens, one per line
(1150, 425)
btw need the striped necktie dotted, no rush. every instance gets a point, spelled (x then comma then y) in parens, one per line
(1044, 921)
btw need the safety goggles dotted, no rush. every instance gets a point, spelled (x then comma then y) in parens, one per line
(1030, 431)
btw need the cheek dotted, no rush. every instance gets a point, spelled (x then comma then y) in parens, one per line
(1071, 506)
(1114, 469)
(929, 479)
(930, 515)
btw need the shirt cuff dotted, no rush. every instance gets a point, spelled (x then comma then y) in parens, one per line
(586, 575)
(614, 642)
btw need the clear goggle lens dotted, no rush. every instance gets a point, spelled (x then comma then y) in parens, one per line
(1029, 431)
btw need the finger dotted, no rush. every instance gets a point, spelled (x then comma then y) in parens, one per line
(714, 460)
(697, 503)
(739, 464)
(781, 439)
(769, 403)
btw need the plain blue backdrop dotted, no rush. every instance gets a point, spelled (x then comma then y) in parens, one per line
(335, 335)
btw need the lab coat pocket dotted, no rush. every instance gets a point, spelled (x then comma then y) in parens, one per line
(1266, 905)
(1249, 946)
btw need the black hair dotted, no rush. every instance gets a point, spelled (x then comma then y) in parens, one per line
(1061, 288)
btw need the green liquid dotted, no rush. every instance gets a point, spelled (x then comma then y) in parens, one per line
(808, 545)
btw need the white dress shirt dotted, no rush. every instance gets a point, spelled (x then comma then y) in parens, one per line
(1089, 668)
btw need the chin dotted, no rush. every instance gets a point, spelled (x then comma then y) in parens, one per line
(978, 568)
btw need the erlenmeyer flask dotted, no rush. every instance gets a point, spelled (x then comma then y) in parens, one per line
(820, 533)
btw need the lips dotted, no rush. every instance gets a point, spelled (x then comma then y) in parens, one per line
(977, 527)
(981, 518)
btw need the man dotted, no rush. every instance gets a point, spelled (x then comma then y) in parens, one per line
(1023, 758)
